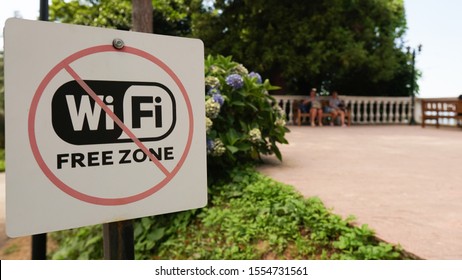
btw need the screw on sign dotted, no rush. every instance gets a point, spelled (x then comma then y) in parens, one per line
(118, 43)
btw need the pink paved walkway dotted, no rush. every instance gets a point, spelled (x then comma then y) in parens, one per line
(404, 182)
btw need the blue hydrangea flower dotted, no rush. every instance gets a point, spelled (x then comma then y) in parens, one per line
(210, 145)
(217, 97)
(213, 91)
(235, 81)
(255, 75)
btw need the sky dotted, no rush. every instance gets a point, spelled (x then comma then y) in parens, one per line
(435, 24)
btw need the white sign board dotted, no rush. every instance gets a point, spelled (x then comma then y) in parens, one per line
(98, 134)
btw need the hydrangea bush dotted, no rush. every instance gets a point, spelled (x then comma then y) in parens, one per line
(242, 120)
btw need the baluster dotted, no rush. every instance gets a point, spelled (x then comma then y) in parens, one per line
(353, 113)
(377, 111)
(371, 112)
(392, 112)
(384, 112)
(397, 112)
(290, 105)
(357, 111)
(365, 115)
(397, 115)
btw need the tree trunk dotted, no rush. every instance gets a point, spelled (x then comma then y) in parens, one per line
(142, 16)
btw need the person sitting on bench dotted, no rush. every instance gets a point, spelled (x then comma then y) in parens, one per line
(336, 108)
(315, 107)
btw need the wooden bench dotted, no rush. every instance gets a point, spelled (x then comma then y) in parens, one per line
(441, 108)
(298, 115)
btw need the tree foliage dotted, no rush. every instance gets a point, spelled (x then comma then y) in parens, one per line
(170, 17)
(101, 13)
(354, 46)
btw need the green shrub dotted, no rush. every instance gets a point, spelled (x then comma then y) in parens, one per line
(85, 243)
(243, 120)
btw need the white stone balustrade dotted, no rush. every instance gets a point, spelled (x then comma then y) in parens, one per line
(367, 110)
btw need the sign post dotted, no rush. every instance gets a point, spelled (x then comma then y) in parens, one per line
(39, 241)
(118, 240)
(104, 134)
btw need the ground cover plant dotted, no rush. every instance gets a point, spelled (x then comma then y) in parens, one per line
(249, 216)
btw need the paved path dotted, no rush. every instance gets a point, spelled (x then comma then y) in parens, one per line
(404, 182)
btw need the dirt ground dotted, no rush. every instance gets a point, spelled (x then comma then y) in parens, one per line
(20, 248)
(16, 249)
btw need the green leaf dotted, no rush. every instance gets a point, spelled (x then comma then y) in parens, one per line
(232, 136)
(146, 222)
(277, 152)
(238, 103)
(232, 149)
(156, 234)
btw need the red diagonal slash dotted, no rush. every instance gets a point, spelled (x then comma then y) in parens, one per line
(116, 119)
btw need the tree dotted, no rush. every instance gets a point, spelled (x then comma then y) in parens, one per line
(170, 17)
(141, 17)
(353, 46)
(101, 13)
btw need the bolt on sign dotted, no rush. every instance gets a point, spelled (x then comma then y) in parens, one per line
(101, 126)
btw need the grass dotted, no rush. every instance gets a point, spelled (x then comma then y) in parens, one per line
(249, 216)
(2, 160)
(11, 249)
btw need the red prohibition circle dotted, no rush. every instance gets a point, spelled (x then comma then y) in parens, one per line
(68, 189)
